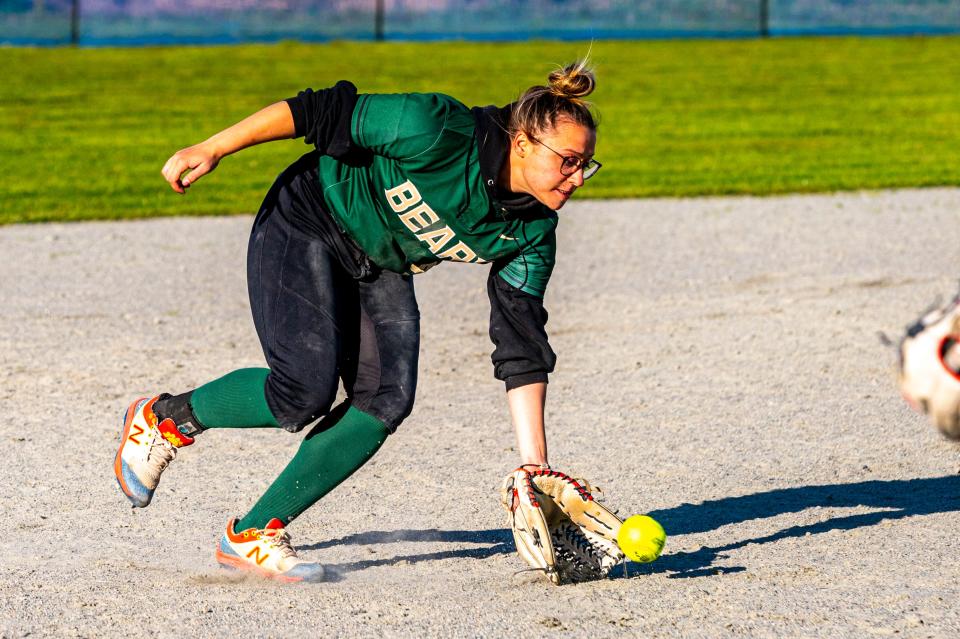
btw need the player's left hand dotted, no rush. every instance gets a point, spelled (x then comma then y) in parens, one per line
(929, 375)
(558, 525)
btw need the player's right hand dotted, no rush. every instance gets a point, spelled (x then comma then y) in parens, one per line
(188, 165)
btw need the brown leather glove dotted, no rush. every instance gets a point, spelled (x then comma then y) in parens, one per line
(929, 376)
(559, 527)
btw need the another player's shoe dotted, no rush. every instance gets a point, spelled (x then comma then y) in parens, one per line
(146, 449)
(266, 552)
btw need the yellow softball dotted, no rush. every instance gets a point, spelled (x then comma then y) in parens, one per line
(641, 538)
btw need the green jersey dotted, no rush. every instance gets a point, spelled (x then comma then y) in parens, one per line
(422, 198)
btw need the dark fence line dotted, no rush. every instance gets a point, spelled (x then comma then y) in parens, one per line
(142, 22)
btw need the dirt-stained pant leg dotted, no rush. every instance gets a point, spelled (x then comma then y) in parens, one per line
(385, 376)
(303, 303)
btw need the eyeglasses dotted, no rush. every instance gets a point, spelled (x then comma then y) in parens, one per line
(571, 163)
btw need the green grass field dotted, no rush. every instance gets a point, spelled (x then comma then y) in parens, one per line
(84, 133)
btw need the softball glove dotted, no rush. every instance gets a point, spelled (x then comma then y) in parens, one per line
(929, 376)
(559, 527)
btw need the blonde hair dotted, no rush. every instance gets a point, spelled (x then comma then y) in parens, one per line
(540, 107)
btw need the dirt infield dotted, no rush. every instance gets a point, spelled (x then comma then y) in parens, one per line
(719, 368)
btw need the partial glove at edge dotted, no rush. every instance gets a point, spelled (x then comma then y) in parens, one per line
(929, 354)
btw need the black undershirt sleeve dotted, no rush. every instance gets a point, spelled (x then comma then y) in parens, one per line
(522, 353)
(323, 118)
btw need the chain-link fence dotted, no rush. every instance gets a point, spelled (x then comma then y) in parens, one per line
(116, 22)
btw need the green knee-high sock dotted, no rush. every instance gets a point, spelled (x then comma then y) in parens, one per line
(236, 400)
(341, 443)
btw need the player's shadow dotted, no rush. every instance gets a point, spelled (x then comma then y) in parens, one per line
(898, 499)
(894, 499)
(498, 542)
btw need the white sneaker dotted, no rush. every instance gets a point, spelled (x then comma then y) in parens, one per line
(266, 552)
(146, 449)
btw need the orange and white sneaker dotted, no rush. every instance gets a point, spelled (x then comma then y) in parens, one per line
(146, 449)
(266, 552)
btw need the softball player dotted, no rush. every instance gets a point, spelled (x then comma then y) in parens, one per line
(397, 184)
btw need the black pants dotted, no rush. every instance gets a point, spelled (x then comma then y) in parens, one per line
(319, 324)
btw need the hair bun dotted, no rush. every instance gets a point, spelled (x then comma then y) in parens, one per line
(540, 107)
(574, 81)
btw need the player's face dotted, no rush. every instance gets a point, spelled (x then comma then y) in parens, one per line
(547, 157)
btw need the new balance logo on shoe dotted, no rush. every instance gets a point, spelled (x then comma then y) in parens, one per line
(256, 551)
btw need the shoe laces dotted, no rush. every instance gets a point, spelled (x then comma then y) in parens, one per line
(160, 452)
(279, 540)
